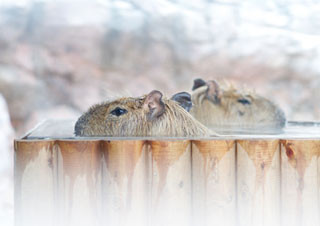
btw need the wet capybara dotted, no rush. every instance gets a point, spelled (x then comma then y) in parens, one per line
(149, 115)
(226, 107)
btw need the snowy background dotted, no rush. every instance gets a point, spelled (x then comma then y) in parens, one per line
(59, 57)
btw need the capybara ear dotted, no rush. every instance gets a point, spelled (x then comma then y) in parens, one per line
(198, 83)
(154, 105)
(184, 100)
(213, 92)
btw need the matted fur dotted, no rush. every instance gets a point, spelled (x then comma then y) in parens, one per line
(258, 112)
(174, 122)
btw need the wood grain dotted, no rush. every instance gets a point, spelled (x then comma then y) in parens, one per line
(171, 183)
(214, 180)
(167, 182)
(125, 182)
(300, 182)
(258, 182)
(35, 190)
(78, 182)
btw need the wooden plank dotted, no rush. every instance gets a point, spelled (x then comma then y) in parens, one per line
(258, 182)
(78, 182)
(34, 183)
(125, 183)
(171, 183)
(214, 182)
(300, 182)
(318, 176)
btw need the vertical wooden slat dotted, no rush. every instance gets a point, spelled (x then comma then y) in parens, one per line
(258, 182)
(125, 183)
(299, 182)
(318, 176)
(34, 183)
(171, 183)
(213, 179)
(79, 182)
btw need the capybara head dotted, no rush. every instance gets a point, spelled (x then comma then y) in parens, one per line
(149, 115)
(225, 107)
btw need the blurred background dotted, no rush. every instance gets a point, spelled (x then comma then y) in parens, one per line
(58, 57)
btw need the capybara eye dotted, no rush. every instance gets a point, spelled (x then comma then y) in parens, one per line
(244, 101)
(118, 111)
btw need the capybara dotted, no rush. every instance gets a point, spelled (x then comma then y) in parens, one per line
(226, 107)
(149, 115)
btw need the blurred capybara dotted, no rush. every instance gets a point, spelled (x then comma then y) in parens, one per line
(228, 108)
(149, 115)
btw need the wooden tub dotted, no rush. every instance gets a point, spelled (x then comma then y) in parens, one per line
(232, 180)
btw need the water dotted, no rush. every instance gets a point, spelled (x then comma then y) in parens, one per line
(63, 129)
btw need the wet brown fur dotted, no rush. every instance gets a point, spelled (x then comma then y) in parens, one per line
(174, 122)
(228, 112)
